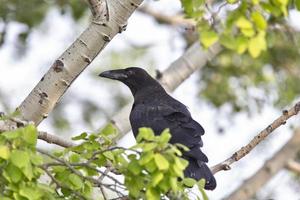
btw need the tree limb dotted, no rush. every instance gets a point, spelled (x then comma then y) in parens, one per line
(178, 20)
(76, 58)
(269, 169)
(95, 7)
(293, 166)
(54, 139)
(225, 165)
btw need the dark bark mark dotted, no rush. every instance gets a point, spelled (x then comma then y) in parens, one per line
(106, 38)
(43, 96)
(58, 66)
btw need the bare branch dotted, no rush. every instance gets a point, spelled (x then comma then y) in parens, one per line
(225, 165)
(53, 139)
(293, 166)
(178, 20)
(269, 169)
(61, 185)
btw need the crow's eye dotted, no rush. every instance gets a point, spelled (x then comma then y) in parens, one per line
(129, 72)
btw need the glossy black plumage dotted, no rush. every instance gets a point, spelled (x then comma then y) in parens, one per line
(154, 108)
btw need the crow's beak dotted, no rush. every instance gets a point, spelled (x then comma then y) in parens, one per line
(118, 74)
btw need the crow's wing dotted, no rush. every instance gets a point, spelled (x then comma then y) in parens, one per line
(178, 119)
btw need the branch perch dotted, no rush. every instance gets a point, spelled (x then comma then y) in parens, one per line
(249, 188)
(225, 165)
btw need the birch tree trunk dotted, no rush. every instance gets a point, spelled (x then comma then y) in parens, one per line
(65, 69)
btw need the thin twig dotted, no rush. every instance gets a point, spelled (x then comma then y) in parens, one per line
(225, 165)
(60, 185)
(167, 19)
(78, 173)
(54, 139)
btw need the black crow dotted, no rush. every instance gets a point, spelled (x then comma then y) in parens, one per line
(154, 108)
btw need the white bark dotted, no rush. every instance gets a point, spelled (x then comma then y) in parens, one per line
(76, 58)
(193, 59)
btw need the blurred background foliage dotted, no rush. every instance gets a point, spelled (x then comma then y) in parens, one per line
(32, 12)
(244, 81)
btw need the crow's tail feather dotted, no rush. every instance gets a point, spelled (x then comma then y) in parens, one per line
(199, 170)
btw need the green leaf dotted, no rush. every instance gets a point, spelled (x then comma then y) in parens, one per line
(188, 7)
(208, 38)
(259, 20)
(28, 171)
(82, 136)
(75, 181)
(173, 183)
(181, 163)
(189, 182)
(30, 193)
(183, 147)
(20, 158)
(201, 184)
(30, 134)
(161, 162)
(12, 173)
(249, 32)
(10, 135)
(257, 44)
(156, 178)
(165, 136)
(145, 158)
(36, 159)
(145, 134)
(243, 23)
(178, 172)
(152, 194)
(109, 155)
(232, 1)
(149, 146)
(241, 44)
(134, 167)
(151, 166)
(4, 152)
(75, 157)
(109, 129)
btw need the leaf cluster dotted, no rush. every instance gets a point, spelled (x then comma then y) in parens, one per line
(152, 169)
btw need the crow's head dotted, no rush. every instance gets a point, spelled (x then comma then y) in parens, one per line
(135, 78)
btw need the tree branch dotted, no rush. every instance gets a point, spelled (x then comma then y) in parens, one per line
(293, 166)
(225, 165)
(178, 20)
(54, 139)
(269, 169)
(112, 20)
(95, 7)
